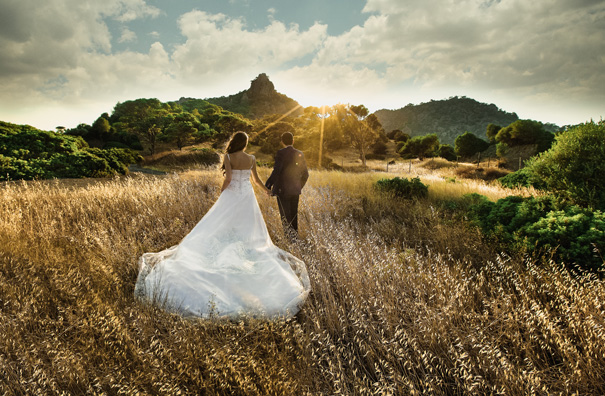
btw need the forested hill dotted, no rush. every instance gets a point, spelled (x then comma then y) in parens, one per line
(446, 118)
(255, 102)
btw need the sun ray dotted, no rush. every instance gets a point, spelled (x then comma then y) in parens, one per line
(276, 121)
(321, 135)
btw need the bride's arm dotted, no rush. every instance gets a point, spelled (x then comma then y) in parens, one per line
(227, 172)
(257, 179)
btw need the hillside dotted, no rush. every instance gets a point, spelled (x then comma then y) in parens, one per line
(446, 118)
(255, 102)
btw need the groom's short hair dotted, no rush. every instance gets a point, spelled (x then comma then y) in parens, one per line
(287, 138)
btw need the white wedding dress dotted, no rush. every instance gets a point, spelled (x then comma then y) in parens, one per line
(227, 265)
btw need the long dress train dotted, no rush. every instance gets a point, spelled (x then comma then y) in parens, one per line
(227, 265)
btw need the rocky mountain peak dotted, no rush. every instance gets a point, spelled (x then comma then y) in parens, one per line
(261, 86)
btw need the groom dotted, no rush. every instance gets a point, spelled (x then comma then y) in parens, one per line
(286, 182)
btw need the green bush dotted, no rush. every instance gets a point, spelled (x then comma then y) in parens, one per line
(81, 164)
(403, 188)
(28, 153)
(521, 178)
(574, 167)
(14, 168)
(575, 235)
(543, 225)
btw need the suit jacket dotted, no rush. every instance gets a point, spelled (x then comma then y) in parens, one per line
(289, 172)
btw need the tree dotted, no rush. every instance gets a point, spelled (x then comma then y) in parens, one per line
(270, 137)
(149, 126)
(523, 132)
(227, 123)
(362, 130)
(133, 109)
(492, 131)
(334, 127)
(313, 134)
(146, 118)
(501, 150)
(182, 130)
(398, 136)
(574, 167)
(100, 129)
(447, 151)
(420, 146)
(81, 130)
(468, 144)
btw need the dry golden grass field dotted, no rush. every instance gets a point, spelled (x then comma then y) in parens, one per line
(406, 298)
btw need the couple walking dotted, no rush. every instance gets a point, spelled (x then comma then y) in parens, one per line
(228, 265)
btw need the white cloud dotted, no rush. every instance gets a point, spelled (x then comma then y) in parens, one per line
(128, 36)
(130, 10)
(219, 44)
(540, 58)
(529, 50)
(57, 58)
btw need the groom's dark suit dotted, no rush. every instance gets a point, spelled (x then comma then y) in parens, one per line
(286, 182)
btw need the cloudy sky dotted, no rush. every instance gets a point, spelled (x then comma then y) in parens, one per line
(63, 62)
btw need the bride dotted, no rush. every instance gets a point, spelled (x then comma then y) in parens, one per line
(227, 265)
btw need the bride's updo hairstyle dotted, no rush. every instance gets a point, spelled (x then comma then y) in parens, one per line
(238, 142)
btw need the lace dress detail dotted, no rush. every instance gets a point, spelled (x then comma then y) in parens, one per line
(240, 181)
(227, 265)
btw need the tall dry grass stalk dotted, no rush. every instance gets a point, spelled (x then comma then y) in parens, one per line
(404, 300)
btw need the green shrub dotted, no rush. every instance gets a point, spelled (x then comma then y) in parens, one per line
(542, 225)
(81, 164)
(574, 167)
(28, 153)
(521, 178)
(14, 169)
(575, 235)
(403, 188)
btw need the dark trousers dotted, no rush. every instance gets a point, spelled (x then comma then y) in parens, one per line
(288, 210)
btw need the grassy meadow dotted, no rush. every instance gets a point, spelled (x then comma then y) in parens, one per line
(406, 298)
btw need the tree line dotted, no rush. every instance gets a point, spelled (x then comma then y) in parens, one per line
(142, 124)
(28, 153)
(466, 145)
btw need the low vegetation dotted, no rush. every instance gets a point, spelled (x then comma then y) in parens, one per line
(406, 299)
(28, 153)
(403, 188)
(544, 225)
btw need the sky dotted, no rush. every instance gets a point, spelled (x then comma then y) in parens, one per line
(65, 62)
